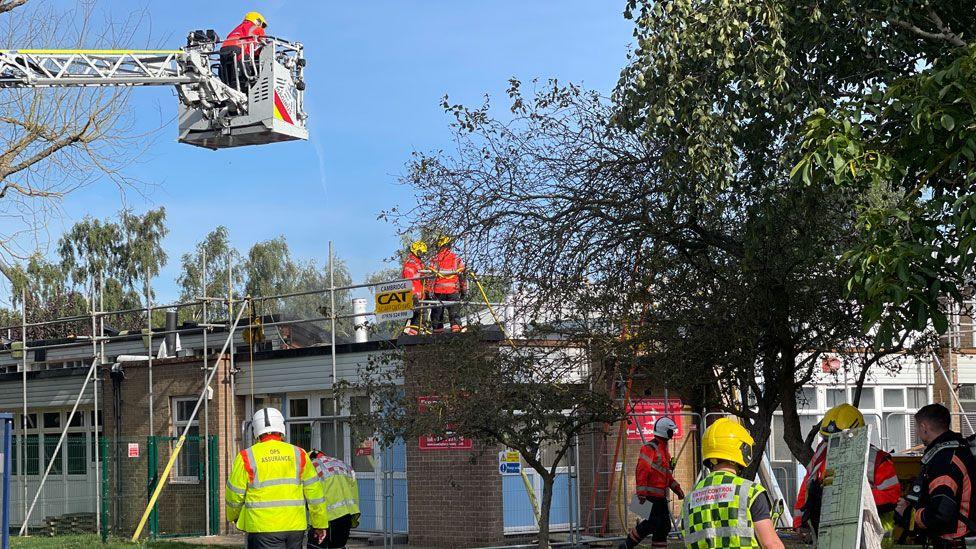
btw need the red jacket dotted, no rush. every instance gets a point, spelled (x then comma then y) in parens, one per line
(411, 270)
(244, 36)
(881, 477)
(449, 264)
(654, 475)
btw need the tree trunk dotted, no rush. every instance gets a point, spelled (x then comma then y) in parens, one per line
(760, 434)
(548, 482)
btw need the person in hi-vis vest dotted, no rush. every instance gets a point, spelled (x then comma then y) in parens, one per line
(271, 485)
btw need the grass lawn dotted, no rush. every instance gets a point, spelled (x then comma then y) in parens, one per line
(91, 540)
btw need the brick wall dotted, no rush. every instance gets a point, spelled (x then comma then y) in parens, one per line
(181, 506)
(454, 497)
(940, 390)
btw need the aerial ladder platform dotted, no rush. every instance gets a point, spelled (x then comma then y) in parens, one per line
(212, 113)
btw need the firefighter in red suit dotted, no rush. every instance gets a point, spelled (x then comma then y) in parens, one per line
(239, 47)
(881, 473)
(448, 285)
(655, 477)
(412, 266)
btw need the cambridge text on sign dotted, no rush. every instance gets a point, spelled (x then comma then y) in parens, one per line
(394, 301)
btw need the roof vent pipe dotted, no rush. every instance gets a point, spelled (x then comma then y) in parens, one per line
(171, 333)
(359, 319)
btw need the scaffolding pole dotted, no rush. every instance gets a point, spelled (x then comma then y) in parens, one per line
(98, 484)
(206, 401)
(332, 317)
(149, 362)
(231, 366)
(179, 442)
(23, 369)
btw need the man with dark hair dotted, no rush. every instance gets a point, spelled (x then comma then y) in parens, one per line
(942, 500)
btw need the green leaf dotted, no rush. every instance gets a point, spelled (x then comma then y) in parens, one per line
(948, 122)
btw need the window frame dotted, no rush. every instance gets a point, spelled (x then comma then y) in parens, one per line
(178, 426)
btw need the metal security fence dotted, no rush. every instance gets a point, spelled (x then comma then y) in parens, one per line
(131, 471)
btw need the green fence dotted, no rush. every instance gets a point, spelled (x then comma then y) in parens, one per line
(131, 470)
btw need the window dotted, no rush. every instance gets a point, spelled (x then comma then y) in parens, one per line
(917, 397)
(52, 420)
(362, 438)
(77, 460)
(14, 454)
(77, 420)
(188, 463)
(300, 434)
(867, 398)
(895, 424)
(781, 451)
(806, 398)
(894, 398)
(329, 436)
(50, 443)
(297, 407)
(32, 461)
(835, 397)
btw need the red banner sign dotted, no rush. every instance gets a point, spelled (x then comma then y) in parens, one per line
(646, 411)
(446, 442)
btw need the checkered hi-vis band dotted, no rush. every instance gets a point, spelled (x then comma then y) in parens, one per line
(716, 512)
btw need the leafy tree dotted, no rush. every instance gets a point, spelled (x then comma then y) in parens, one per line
(268, 270)
(725, 91)
(55, 141)
(729, 294)
(907, 146)
(98, 258)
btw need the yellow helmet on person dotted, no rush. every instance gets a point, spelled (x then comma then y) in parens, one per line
(418, 247)
(444, 240)
(727, 440)
(256, 18)
(841, 418)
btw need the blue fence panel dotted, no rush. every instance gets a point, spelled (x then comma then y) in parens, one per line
(516, 507)
(559, 512)
(399, 457)
(367, 504)
(400, 505)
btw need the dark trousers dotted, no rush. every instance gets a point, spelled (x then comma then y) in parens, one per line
(437, 313)
(337, 536)
(276, 540)
(231, 71)
(657, 526)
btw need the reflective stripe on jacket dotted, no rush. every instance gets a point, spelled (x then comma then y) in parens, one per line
(881, 477)
(654, 475)
(411, 271)
(717, 512)
(341, 489)
(268, 489)
(447, 264)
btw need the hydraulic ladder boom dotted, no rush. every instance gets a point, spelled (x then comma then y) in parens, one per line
(59, 68)
(212, 113)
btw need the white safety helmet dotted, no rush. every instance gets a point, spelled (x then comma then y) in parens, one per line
(267, 420)
(665, 428)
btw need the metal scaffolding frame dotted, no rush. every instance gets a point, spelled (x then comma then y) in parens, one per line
(96, 317)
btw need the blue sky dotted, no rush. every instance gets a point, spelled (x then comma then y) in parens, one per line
(376, 72)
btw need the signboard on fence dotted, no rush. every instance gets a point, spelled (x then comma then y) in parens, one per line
(394, 301)
(646, 411)
(447, 442)
(133, 449)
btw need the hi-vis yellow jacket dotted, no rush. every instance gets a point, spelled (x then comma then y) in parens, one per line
(341, 490)
(269, 486)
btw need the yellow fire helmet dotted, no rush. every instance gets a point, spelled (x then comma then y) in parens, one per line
(727, 440)
(841, 418)
(256, 18)
(418, 247)
(444, 240)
